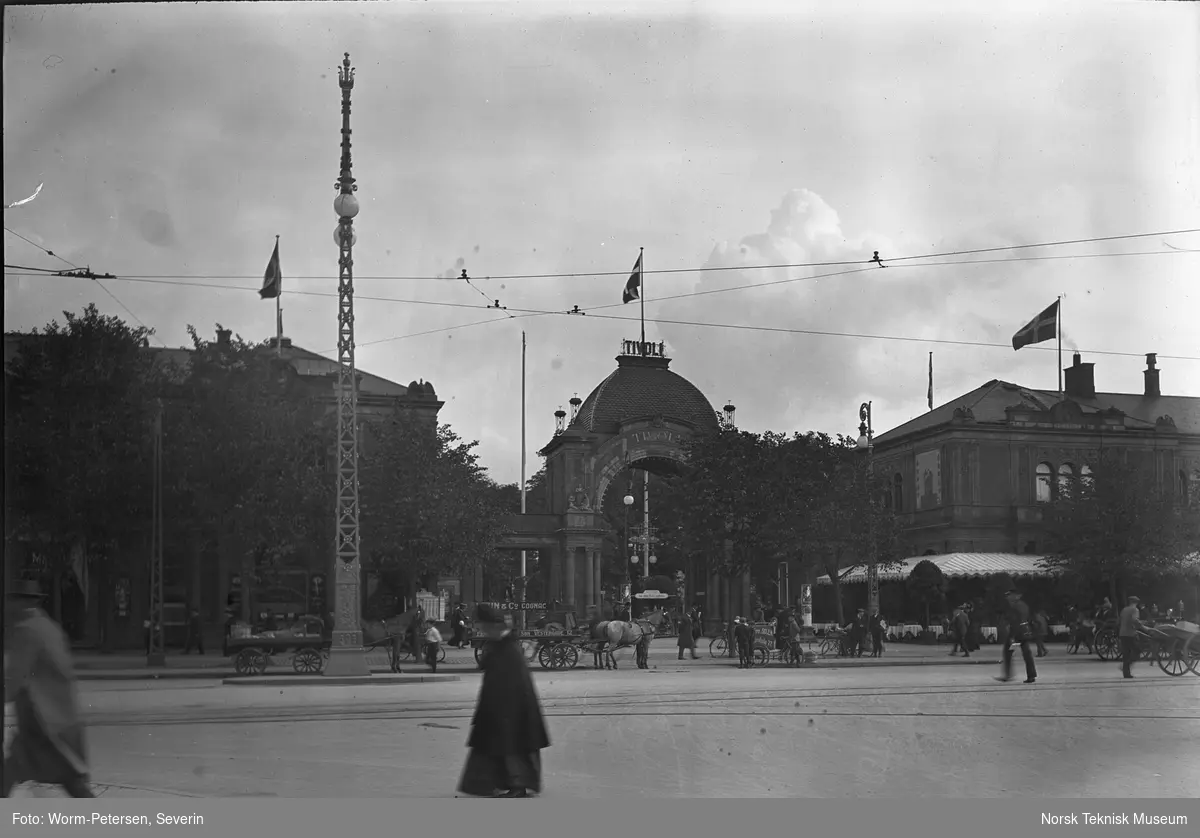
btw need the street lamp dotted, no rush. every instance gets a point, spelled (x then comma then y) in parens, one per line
(628, 501)
(866, 442)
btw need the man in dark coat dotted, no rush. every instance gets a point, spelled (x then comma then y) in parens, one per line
(1019, 631)
(859, 631)
(508, 732)
(743, 636)
(458, 622)
(48, 746)
(686, 639)
(878, 630)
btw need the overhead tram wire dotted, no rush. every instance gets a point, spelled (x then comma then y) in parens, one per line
(720, 268)
(749, 286)
(86, 273)
(524, 313)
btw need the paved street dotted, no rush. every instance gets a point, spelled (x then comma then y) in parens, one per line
(678, 731)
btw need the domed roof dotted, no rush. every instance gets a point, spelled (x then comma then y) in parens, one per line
(643, 386)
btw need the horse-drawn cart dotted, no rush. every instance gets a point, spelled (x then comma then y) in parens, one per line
(1176, 648)
(302, 644)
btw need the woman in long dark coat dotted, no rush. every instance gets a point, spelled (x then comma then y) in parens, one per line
(508, 732)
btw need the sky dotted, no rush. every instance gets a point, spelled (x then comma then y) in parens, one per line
(173, 143)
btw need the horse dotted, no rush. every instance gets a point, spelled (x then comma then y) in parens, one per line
(393, 628)
(613, 635)
(660, 620)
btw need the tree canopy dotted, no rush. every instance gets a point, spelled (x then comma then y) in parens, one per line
(771, 496)
(1118, 525)
(78, 433)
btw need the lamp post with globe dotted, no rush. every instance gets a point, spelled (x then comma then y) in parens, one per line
(346, 654)
(866, 442)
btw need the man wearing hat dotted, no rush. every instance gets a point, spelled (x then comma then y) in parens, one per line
(1127, 629)
(1019, 631)
(508, 731)
(48, 746)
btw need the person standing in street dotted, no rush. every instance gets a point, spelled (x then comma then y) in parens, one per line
(687, 640)
(859, 632)
(48, 746)
(433, 644)
(195, 633)
(1020, 632)
(742, 638)
(508, 731)
(878, 628)
(1127, 629)
(1041, 626)
(959, 625)
(458, 622)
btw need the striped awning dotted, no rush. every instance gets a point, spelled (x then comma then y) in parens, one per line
(956, 565)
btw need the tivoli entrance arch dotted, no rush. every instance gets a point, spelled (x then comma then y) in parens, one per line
(640, 417)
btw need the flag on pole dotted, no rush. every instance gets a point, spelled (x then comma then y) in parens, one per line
(273, 278)
(633, 288)
(1041, 328)
(929, 395)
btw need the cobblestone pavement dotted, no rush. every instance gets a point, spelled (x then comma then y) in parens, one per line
(678, 731)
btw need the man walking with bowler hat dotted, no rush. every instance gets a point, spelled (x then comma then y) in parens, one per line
(48, 746)
(1019, 631)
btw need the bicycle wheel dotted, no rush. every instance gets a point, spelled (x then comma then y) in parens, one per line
(761, 656)
(828, 647)
(718, 647)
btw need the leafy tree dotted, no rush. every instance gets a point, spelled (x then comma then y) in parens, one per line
(245, 457)
(78, 437)
(428, 507)
(927, 584)
(1118, 526)
(835, 516)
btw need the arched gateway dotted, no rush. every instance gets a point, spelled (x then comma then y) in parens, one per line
(640, 418)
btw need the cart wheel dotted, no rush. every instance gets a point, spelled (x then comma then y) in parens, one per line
(1172, 661)
(1146, 650)
(543, 658)
(568, 656)
(761, 656)
(1107, 648)
(307, 662)
(441, 654)
(246, 662)
(718, 647)
(1191, 653)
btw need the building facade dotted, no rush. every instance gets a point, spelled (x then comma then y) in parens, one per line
(974, 475)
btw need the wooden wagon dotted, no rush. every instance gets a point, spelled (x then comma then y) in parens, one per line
(303, 645)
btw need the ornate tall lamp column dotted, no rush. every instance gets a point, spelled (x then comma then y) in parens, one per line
(346, 656)
(866, 442)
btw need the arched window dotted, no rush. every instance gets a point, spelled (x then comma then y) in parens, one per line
(898, 493)
(1184, 490)
(1066, 476)
(1045, 473)
(1085, 475)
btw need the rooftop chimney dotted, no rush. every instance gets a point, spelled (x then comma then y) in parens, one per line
(1151, 374)
(1079, 379)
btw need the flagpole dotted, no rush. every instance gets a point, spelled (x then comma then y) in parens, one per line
(279, 309)
(931, 381)
(523, 567)
(642, 293)
(1058, 328)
